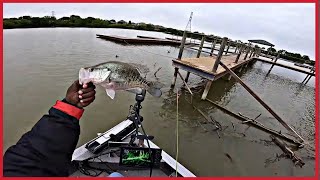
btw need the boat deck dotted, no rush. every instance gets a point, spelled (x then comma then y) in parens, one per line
(109, 157)
(203, 66)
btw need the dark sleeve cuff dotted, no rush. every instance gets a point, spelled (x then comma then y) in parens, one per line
(69, 109)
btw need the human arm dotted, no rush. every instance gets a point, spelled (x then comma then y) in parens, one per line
(46, 150)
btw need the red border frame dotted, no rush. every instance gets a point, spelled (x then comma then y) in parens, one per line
(1, 91)
(317, 85)
(159, 1)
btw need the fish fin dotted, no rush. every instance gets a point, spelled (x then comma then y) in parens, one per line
(135, 90)
(111, 93)
(156, 84)
(154, 92)
(154, 88)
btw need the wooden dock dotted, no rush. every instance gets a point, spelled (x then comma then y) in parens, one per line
(203, 66)
(211, 67)
(225, 63)
(142, 40)
(292, 67)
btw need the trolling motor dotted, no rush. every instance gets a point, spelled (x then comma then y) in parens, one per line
(115, 139)
(141, 156)
(131, 154)
(136, 118)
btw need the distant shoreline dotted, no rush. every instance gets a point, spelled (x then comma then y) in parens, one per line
(74, 21)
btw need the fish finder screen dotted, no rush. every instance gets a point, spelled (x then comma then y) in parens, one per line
(139, 157)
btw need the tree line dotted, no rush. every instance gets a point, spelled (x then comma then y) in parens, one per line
(91, 22)
(295, 57)
(77, 21)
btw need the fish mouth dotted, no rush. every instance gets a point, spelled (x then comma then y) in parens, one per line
(87, 75)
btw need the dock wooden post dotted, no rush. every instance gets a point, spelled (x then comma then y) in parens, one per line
(247, 52)
(307, 77)
(259, 52)
(240, 70)
(229, 77)
(206, 90)
(214, 42)
(252, 51)
(239, 53)
(229, 43)
(255, 52)
(268, 51)
(237, 46)
(274, 63)
(222, 46)
(215, 67)
(183, 41)
(201, 46)
(198, 55)
(261, 101)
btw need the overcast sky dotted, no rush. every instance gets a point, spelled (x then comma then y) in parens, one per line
(288, 26)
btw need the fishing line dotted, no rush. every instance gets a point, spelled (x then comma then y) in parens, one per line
(177, 133)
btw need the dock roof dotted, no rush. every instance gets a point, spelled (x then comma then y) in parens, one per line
(261, 41)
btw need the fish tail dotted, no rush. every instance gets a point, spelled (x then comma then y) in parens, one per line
(154, 88)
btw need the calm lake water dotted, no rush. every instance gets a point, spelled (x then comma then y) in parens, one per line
(40, 64)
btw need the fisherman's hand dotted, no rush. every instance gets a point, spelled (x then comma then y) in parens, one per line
(80, 96)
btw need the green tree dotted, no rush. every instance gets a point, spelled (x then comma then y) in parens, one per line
(305, 57)
(271, 49)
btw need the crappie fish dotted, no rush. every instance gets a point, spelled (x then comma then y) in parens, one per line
(115, 75)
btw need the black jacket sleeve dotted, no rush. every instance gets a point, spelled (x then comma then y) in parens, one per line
(46, 150)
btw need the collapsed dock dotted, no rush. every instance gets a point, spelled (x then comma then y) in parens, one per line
(140, 40)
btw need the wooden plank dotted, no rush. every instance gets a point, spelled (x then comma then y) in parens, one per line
(206, 63)
(289, 128)
(197, 71)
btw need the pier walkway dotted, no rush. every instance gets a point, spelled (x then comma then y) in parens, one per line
(292, 67)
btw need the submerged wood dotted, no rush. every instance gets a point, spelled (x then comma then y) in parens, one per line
(255, 124)
(155, 73)
(184, 82)
(289, 128)
(288, 152)
(218, 126)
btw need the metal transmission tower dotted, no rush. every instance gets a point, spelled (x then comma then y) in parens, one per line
(189, 25)
(189, 22)
(51, 21)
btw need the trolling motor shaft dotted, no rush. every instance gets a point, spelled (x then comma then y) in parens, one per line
(136, 118)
